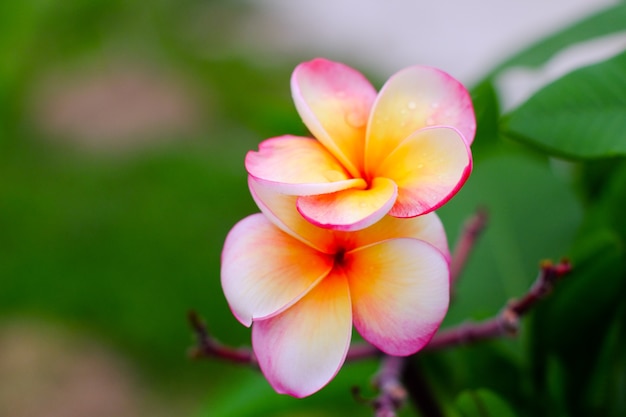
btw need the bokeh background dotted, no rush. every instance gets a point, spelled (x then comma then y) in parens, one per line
(123, 128)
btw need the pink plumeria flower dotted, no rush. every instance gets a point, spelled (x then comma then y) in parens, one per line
(403, 152)
(302, 288)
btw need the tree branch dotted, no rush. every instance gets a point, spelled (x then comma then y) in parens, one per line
(392, 394)
(389, 380)
(395, 373)
(209, 347)
(507, 321)
(472, 229)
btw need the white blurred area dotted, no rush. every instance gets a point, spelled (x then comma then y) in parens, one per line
(463, 37)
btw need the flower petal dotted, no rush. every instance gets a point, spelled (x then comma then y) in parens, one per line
(281, 210)
(427, 228)
(334, 102)
(400, 293)
(265, 270)
(412, 99)
(302, 349)
(429, 168)
(299, 166)
(352, 209)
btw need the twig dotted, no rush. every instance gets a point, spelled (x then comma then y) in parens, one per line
(472, 229)
(507, 321)
(209, 347)
(392, 394)
(362, 351)
(396, 373)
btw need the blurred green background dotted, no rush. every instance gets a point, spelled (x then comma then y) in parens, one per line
(122, 134)
(123, 128)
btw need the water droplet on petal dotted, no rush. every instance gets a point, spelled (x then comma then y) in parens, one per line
(356, 119)
(411, 105)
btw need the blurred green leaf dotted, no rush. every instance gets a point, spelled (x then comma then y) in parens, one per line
(572, 325)
(254, 397)
(582, 115)
(482, 403)
(475, 366)
(487, 109)
(593, 174)
(533, 215)
(553, 402)
(608, 378)
(124, 249)
(603, 182)
(606, 22)
(614, 199)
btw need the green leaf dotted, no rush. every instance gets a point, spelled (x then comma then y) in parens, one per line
(605, 387)
(252, 396)
(533, 215)
(482, 403)
(582, 115)
(573, 323)
(603, 23)
(490, 365)
(487, 109)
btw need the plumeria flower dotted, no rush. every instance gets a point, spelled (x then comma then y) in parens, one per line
(302, 288)
(403, 152)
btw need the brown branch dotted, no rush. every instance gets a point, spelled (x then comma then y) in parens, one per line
(472, 229)
(395, 373)
(209, 347)
(391, 393)
(360, 351)
(507, 321)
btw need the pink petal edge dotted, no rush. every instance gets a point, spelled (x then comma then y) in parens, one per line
(302, 349)
(334, 102)
(265, 271)
(400, 293)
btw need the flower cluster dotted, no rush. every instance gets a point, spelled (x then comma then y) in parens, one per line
(347, 235)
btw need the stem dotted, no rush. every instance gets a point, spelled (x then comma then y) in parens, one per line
(209, 347)
(392, 394)
(396, 373)
(507, 321)
(472, 229)
(362, 351)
